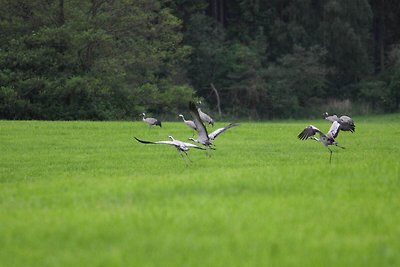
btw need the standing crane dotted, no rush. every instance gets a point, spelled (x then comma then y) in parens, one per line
(346, 123)
(205, 117)
(151, 121)
(179, 145)
(189, 123)
(327, 139)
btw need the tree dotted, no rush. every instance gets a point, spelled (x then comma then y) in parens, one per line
(87, 59)
(297, 83)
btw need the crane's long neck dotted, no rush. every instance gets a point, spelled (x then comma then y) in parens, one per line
(194, 140)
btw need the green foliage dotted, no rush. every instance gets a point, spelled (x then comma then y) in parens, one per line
(243, 79)
(207, 39)
(95, 59)
(297, 82)
(89, 63)
(394, 79)
(346, 39)
(173, 99)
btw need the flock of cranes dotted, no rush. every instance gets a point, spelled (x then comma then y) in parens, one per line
(197, 124)
(199, 119)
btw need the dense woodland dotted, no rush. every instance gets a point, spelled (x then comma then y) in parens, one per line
(249, 59)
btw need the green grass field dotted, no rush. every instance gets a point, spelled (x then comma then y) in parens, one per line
(88, 194)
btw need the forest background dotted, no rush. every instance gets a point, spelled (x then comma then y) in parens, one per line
(113, 60)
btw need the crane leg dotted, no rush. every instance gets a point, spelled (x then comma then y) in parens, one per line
(208, 151)
(187, 156)
(330, 156)
(342, 147)
(183, 158)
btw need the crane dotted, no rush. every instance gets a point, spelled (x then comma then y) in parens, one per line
(346, 123)
(327, 139)
(179, 145)
(205, 117)
(189, 123)
(151, 121)
(203, 137)
(201, 129)
(217, 132)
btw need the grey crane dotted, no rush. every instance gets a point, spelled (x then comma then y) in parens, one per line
(346, 123)
(327, 139)
(203, 137)
(205, 117)
(188, 122)
(151, 121)
(201, 129)
(217, 132)
(179, 145)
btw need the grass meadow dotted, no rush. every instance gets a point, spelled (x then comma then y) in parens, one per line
(87, 194)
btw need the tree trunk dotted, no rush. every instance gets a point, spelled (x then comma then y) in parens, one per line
(382, 35)
(217, 10)
(218, 100)
(221, 12)
(61, 17)
(214, 9)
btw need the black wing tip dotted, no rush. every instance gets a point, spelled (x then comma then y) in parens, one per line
(302, 136)
(158, 123)
(141, 141)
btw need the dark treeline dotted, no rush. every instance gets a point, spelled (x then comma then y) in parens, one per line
(110, 59)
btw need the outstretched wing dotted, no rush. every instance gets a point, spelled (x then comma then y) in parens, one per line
(219, 131)
(334, 130)
(308, 132)
(190, 145)
(200, 128)
(155, 143)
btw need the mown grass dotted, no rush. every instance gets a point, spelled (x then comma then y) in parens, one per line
(87, 194)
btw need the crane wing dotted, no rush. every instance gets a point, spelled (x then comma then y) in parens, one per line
(200, 128)
(347, 124)
(346, 119)
(193, 146)
(155, 143)
(219, 131)
(308, 132)
(191, 125)
(334, 130)
(331, 118)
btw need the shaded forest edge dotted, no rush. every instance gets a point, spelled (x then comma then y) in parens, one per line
(113, 60)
